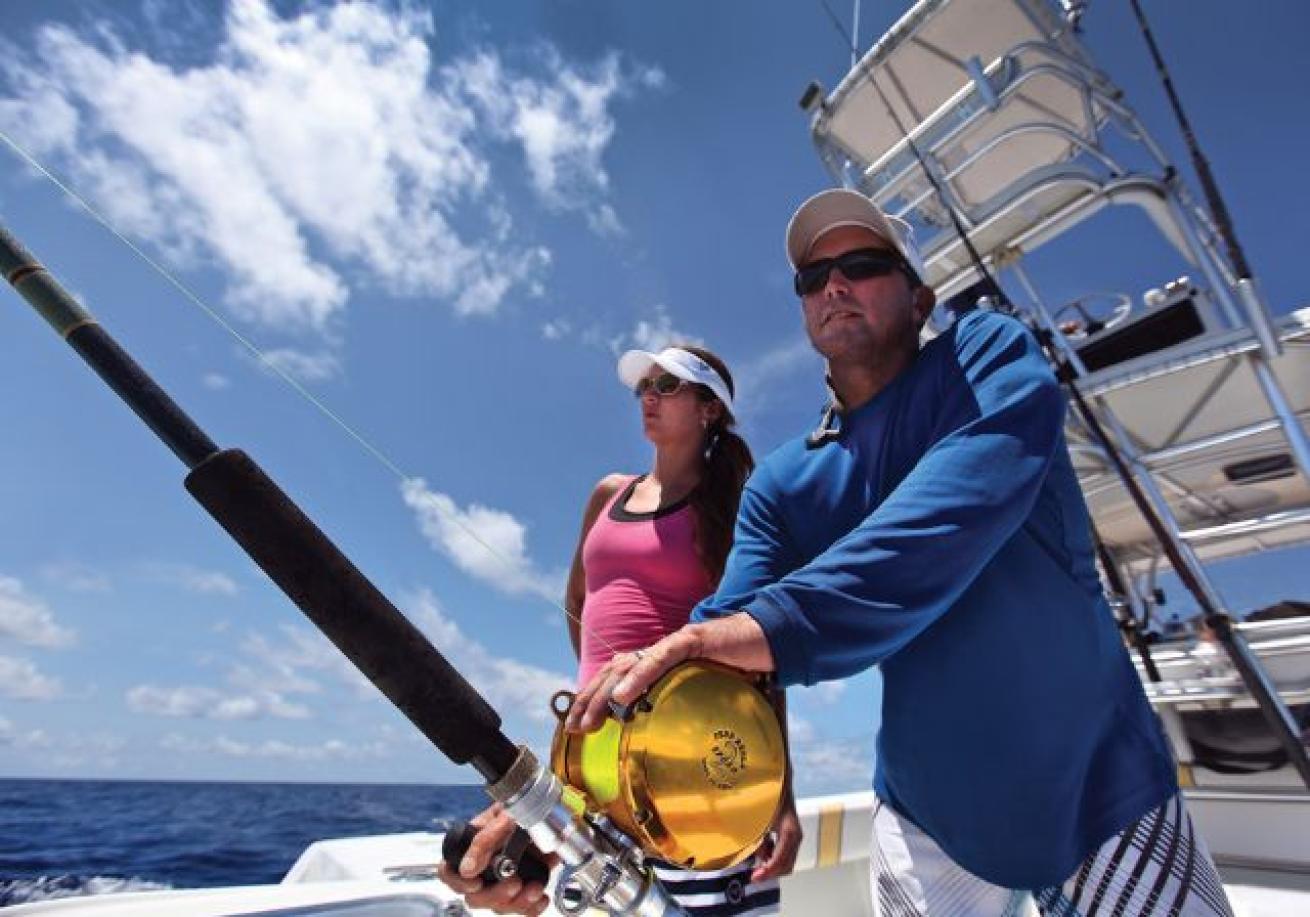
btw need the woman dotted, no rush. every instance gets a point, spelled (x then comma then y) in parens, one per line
(654, 545)
(651, 547)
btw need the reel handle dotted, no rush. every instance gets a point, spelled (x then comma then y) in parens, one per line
(518, 858)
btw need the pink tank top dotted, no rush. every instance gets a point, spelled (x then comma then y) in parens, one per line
(643, 578)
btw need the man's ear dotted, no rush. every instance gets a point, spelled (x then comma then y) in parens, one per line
(924, 300)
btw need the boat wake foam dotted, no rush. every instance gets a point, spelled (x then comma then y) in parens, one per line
(45, 888)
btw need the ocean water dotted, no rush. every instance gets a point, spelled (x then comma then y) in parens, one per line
(78, 837)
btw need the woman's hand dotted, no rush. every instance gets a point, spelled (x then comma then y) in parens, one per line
(508, 896)
(777, 855)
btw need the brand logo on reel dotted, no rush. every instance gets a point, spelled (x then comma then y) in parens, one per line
(726, 760)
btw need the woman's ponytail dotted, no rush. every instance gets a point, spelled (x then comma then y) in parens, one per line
(728, 463)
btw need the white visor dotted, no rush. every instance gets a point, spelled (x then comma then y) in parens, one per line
(684, 364)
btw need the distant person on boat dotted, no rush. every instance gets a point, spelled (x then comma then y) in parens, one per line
(932, 525)
(651, 547)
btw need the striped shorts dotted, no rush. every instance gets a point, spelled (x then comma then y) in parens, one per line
(1156, 866)
(720, 892)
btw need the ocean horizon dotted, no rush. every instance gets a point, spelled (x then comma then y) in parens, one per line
(80, 836)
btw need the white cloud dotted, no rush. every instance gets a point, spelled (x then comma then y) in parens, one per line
(27, 619)
(193, 579)
(329, 140)
(563, 126)
(198, 702)
(761, 375)
(98, 751)
(653, 333)
(827, 765)
(487, 543)
(77, 577)
(799, 729)
(821, 762)
(328, 750)
(32, 738)
(260, 682)
(825, 693)
(281, 666)
(304, 367)
(512, 686)
(557, 329)
(508, 684)
(20, 679)
(215, 382)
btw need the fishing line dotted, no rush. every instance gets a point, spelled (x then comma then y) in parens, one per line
(282, 374)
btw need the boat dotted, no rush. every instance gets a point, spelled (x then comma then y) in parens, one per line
(1203, 393)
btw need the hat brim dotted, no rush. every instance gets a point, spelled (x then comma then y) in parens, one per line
(634, 364)
(832, 209)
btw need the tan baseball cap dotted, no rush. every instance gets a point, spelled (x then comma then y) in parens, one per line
(838, 207)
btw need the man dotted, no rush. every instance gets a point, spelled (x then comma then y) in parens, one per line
(933, 526)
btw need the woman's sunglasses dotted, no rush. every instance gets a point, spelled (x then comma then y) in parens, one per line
(663, 384)
(861, 264)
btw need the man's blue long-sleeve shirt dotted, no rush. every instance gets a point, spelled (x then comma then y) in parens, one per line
(943, 537)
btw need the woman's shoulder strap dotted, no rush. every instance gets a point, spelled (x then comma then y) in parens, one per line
(607, 489)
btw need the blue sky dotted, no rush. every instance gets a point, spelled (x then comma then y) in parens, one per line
(445, 220)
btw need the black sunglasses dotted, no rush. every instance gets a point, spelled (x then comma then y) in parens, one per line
(663, 384)
(860, 264)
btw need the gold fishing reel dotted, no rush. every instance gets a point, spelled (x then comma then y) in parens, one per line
(693, 771)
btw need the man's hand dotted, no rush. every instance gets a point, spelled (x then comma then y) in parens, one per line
(508, 896)
(777, 855)
(736, 640)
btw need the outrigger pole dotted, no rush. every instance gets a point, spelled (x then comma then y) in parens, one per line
(350, 611)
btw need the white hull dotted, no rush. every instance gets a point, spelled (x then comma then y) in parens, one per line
(831, 878)
(1263, 829)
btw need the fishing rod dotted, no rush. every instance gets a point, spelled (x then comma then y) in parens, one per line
(1132, 629)
(1277, 716)
(349, 610)
(1223, 222)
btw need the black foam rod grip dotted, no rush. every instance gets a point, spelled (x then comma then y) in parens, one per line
(530, 867)
(351, 611)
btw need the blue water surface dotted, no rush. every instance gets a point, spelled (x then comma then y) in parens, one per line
(60, 837)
